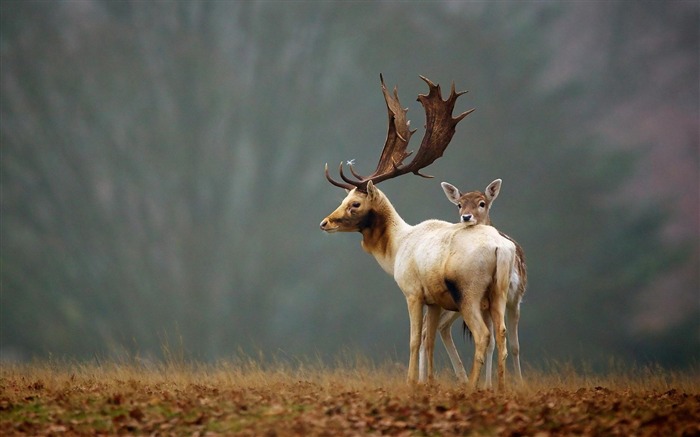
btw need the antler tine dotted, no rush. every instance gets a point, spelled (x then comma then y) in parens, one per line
(354, 173)
(429, 82)
(338, 184)
(457, 94)
(345, 178)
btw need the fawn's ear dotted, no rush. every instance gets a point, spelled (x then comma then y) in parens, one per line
(451, 192)
(492, 190)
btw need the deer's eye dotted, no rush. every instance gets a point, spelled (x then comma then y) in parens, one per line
(459, 206)
(482, 204)
(355, 204)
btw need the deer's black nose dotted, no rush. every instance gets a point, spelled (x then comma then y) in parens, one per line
(466, 217)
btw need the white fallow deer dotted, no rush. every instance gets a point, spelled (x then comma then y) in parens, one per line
(435, 263)
(474, 208)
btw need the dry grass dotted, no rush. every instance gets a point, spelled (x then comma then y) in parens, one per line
(242, 397)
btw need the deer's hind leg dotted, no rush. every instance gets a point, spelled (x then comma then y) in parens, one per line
(513, 311)
(470, 297)
(497, 309)
(489, 351)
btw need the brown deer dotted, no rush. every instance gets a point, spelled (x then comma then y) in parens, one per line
(435, 263)
(474, 208)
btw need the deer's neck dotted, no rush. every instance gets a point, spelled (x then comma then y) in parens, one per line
(382, 232)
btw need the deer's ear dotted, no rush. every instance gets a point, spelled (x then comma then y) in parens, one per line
(451, 192)
(372, 191)
(493, 189)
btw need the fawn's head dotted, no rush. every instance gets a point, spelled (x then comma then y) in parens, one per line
(473, 206)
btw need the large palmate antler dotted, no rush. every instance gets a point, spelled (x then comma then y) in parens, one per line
(439, 129)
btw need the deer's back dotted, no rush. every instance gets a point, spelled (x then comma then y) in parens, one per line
(435, 251)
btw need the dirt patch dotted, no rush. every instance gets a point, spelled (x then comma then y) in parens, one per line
(228, 400)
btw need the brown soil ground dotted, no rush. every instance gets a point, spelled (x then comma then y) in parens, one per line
(245, 399)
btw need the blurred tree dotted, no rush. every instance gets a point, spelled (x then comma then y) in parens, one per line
(162, 174)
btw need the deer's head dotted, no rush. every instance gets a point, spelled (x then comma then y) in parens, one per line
(357, 207)
(356, 212)
(474, 206)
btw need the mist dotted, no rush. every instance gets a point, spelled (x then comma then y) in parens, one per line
(162, 173)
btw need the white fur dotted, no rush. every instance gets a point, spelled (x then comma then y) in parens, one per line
(421, 258)
(518, 281)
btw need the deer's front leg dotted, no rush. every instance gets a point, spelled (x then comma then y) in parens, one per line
(415, 314)
(432, 316)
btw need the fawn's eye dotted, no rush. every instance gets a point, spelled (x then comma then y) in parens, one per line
(482, 204)
(459, 206)
(355, 204)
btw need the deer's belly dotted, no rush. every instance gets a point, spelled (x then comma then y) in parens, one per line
(441, 297)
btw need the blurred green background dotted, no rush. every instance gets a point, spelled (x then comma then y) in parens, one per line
(162, 172)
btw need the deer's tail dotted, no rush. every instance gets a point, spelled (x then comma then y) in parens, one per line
(505, 261)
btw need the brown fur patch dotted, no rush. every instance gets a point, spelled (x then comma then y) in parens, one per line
(374, 230)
